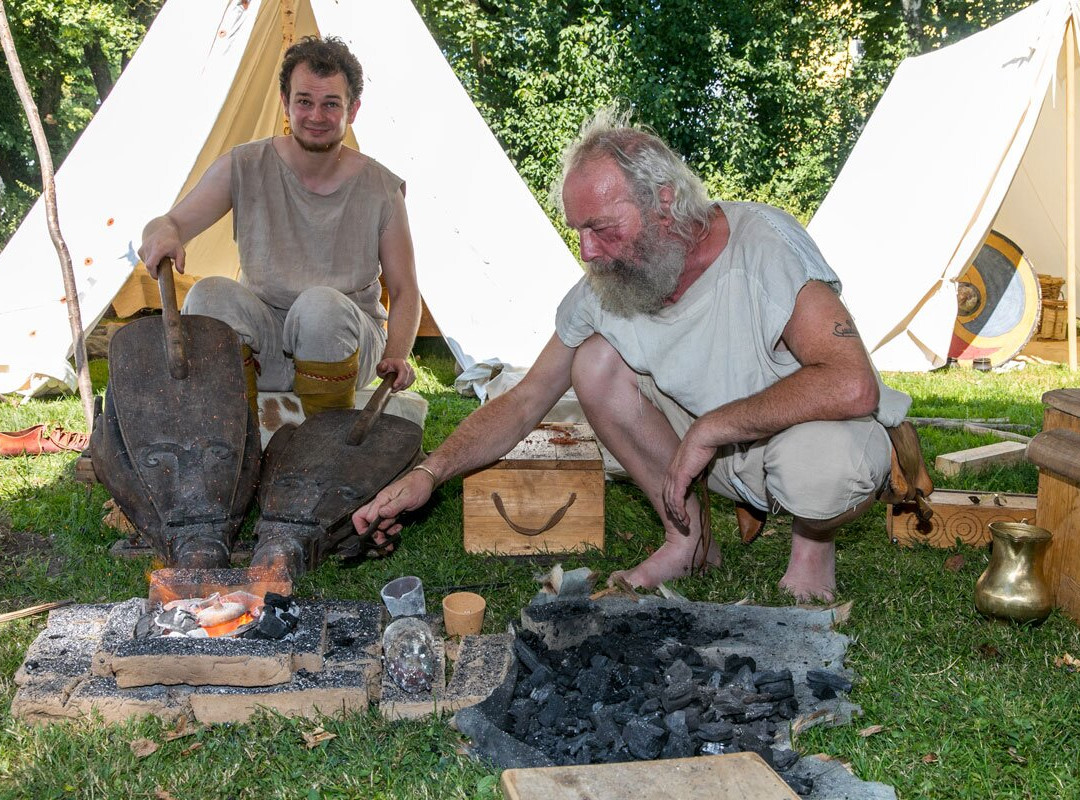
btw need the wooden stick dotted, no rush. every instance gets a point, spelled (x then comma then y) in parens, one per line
(971, 427)
(29, 612)
(48, 188)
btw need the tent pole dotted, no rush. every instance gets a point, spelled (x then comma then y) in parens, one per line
(1070, 189)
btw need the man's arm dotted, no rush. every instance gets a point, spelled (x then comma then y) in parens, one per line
(836, 381)
(209, 201)
(399, 275)
(485, 435)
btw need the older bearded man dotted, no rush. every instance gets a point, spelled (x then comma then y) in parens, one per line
(704, 336)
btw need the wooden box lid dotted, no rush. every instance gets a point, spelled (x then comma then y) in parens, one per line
(555, 446)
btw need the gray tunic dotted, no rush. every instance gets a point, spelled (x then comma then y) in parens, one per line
(717, 343)
(292, 239)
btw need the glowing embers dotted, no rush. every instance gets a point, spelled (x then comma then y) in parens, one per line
(237, 614)
(251, 603)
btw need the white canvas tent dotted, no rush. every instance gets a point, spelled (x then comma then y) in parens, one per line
(491, 267)
(966, 139)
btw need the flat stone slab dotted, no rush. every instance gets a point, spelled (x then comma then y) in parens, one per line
(174, 661)
(60, 678)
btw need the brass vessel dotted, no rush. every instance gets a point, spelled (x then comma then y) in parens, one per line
(1013, 586)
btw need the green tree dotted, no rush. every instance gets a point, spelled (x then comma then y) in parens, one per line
(72, 52)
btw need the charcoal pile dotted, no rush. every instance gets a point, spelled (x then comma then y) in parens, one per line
(621, 679)
(640, 690)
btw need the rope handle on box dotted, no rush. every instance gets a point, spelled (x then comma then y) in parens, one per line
(556, 518)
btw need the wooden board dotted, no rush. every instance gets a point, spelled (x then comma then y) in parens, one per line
(737, 775)
(958, 515)
(977, 458)
(553, 480)
(1059, 508)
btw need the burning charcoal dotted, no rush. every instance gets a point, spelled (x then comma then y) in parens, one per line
(643, 739)
(824, 685)
(678, 696)
(178, 620)
(409, 653)
(716, 731)
(787, 708)
(782, 759)
(716, 680)
(678, 672)
(146, 626)
(771, 676)
(799, 784)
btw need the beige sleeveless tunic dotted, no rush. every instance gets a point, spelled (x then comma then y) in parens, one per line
(292, 239)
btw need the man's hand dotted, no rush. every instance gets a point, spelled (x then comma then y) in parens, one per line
(161, 239)
(405, 494)
(693, 455)
(404, 375)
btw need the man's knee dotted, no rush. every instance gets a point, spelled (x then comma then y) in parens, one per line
(322, 325)
(214, 296)
(822, 471)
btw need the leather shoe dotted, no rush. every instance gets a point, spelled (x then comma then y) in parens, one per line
(36, 440)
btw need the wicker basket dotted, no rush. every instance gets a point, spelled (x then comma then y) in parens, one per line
(1050, 286)
(1055, 315)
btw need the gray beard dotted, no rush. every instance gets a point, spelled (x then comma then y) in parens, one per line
(638, 285)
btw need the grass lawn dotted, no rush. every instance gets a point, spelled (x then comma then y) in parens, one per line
(968, 708)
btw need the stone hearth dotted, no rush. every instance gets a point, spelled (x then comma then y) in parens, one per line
(87, 662)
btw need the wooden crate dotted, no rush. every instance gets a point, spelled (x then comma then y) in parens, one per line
(545, 496)
(958, 515)
(1056, 452)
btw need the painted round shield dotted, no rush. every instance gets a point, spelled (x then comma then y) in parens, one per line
(998, 303)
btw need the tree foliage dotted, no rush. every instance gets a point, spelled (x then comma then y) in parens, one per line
(72, 51)
(764, 98)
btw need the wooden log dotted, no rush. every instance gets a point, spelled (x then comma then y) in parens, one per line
(958, 515)
(978, 458)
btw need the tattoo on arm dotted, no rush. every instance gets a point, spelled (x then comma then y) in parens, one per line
(845, 329)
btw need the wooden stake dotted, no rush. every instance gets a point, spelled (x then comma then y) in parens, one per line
(71, 292)
(29, 612)
(1070, 188)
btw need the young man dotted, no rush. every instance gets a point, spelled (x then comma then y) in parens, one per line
(316, 223)
(704, 336)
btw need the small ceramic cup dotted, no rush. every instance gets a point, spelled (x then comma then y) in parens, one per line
(463, 613)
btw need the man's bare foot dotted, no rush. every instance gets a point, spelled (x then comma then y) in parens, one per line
(672, 560)
(811, 572)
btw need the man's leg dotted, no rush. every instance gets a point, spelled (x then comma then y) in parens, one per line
(643, 441)
(825, 474)
(335, 347)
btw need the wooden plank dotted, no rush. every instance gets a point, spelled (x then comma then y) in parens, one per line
(978, 458)
(530, 498)
(1059, 503)
(743, 775)
(958, 515)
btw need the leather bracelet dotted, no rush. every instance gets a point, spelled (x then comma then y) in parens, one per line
(422, 468)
